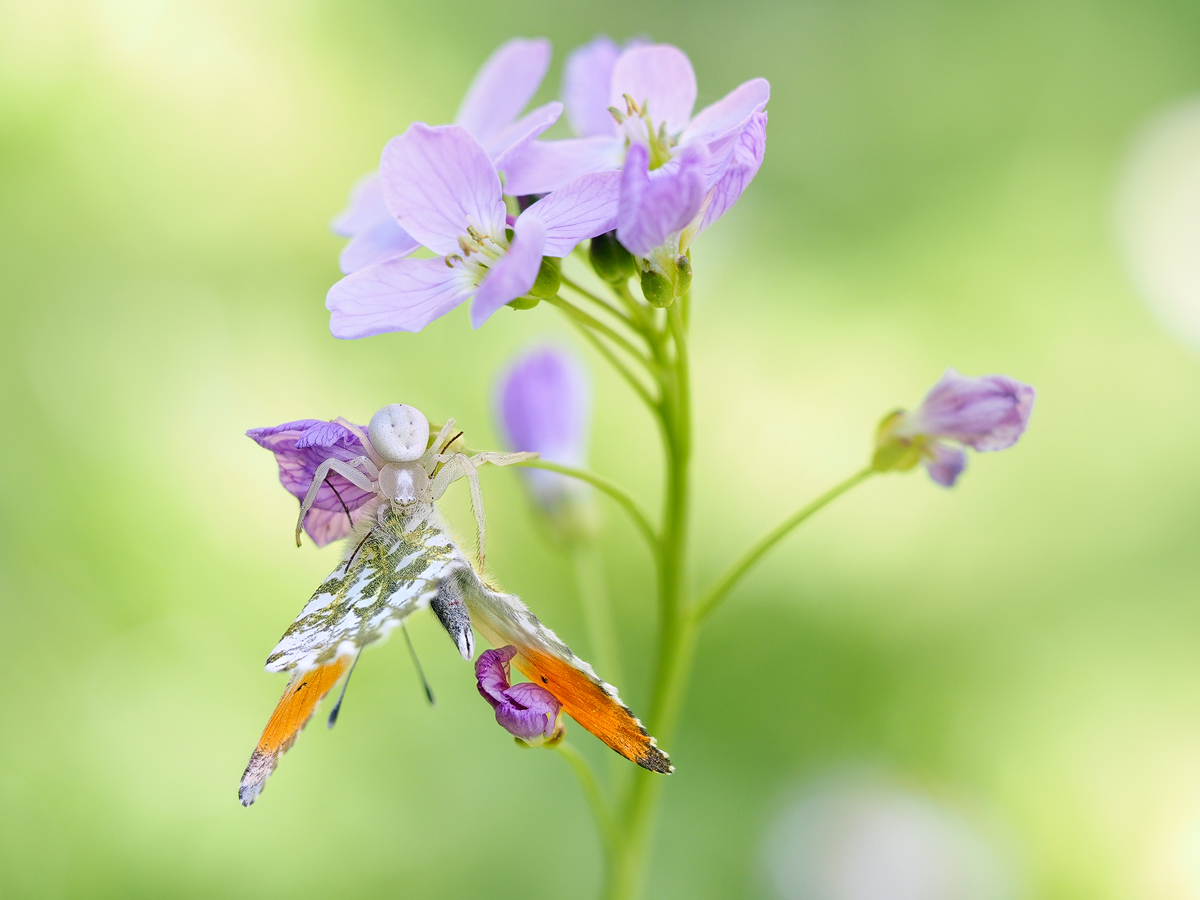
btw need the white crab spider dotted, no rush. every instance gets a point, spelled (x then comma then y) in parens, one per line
(407, 471)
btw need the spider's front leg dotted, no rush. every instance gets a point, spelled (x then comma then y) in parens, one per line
(455, 467)
(346, 470)
(433, 455)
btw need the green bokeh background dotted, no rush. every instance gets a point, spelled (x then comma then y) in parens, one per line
(938, 190)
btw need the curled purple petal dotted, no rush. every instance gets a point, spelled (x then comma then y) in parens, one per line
(944, 463)
(585, 88)
(582, 209)
(527, 711)
(987, 413)
(545, 166)
(396, 295)
(439, 180)
(743, 166)
(653, 208)
(504, 86)
(299, 448)
(513, 274)
(659, 77)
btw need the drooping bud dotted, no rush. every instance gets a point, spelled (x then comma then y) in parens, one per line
(528, 712)
(610, 260)
(549, 278)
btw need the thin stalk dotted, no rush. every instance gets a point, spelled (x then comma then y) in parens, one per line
(604, 350)
(591, 789)
(597, 611)
(712, 599)
(614, 490)
(599, 301)
(599, 327)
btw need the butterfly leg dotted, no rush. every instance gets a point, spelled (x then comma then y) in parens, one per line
(346, 470)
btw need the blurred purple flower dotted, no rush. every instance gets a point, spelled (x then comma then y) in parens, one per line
(502, 88)
(542, 405)
(299, 448)
(442, 187)
(655, 87)
(527, 711)
(987, 414)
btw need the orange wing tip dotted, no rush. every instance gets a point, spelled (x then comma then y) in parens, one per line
(295, 708)
(594, 705)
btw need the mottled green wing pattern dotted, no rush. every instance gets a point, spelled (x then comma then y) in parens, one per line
(392, 571)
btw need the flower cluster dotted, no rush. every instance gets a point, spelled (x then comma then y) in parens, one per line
(498, 208)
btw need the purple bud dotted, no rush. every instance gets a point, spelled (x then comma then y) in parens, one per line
(299, 448)
(526, 711)
(542, 405)
(987, 413)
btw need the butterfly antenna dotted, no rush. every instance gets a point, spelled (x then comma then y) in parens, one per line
(416, 662)
(342, 696)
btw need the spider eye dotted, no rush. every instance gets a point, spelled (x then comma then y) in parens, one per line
(399, 433)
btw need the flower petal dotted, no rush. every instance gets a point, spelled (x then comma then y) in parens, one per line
(491, 673)
(504, 86)
(397, 295)
(513, 274)
(299, 448)
(382, 241)
(587, 77)
(529, 712)
(582, 209)
(944, 463)
(364, 208)
(661, 78)
(546, 166)
(730, 112)
(743, 166)
(513, 140)
(437, 181)
(543, 402)
(987, 413)
(651, 209)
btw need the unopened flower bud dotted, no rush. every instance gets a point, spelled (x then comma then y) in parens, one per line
(610, 259)
(986, 414)
(657, 289)
(549, 278)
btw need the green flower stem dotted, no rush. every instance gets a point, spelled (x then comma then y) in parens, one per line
(611, 488)
(604, 350)
(599, 301)
(599, 327)
(712, 599)
(597, 612)
(591, 789)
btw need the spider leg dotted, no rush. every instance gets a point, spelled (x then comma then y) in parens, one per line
(346, 470)
(456, 467)
(501, 459)
(430, 459)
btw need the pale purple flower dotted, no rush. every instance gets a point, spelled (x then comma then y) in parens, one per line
(986, 414)
(542, 405)
(444, 190)
(527, 711)
(490, 110)
(299, 448)
(653, 88)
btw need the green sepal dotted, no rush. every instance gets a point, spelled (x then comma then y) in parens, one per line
(526, 302)
(549, 278)
(893, 453)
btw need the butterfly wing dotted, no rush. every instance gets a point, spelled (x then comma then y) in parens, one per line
(393, 568)
(545, 660)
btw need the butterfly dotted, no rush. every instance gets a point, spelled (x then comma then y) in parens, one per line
(400, 557)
